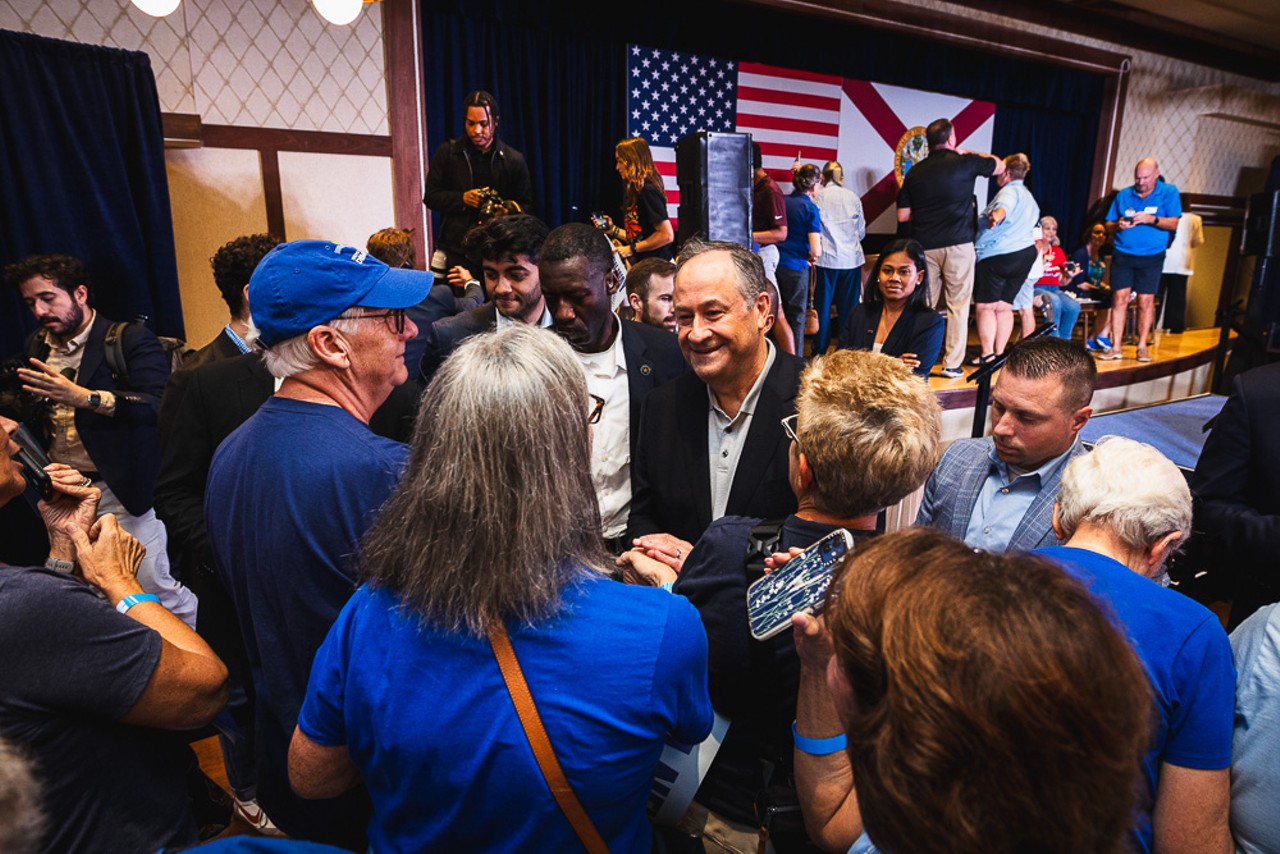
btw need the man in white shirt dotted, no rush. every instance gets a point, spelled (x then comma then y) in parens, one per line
(840, 265)
(623, 360)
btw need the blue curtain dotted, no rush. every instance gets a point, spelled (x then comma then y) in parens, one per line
(558, 70)
(82, 167)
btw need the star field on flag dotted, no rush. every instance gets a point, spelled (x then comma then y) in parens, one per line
(671, 93)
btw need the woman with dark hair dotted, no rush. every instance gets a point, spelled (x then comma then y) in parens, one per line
(1087, 270)
(981, 701)
(646, 230)
(896, 318)
(488, 555)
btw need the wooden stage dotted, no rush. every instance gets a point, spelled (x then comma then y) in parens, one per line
(1173, 354)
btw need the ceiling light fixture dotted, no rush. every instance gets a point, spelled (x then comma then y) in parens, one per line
(340, 12)
(157, 8)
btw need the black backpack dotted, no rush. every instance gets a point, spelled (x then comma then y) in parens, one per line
(175, 349)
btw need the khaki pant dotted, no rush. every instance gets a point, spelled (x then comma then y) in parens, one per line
(951, 288)
(721, 835)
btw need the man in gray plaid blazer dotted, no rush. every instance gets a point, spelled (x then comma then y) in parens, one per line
(997, 493)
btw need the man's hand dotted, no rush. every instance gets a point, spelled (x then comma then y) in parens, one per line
(51, 385)
(109, 557)
(911, 360)
(666, 548)
(458, 276)
(73, 508)
(639, 568)
(473, 198)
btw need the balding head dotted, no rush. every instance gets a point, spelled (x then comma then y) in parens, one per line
(1145, 175)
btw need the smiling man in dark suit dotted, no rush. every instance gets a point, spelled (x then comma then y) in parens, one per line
(508, 248)
(623, 360)
(711, 443)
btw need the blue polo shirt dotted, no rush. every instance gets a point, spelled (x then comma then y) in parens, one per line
(1144, 239)
(1014, 233)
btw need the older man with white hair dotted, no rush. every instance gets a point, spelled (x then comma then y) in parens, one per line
(294, 488)
(1122, 510)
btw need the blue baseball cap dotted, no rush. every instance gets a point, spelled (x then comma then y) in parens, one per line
(306, 283)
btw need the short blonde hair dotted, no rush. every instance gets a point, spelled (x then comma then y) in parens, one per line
(1128, 487)
(869, 428)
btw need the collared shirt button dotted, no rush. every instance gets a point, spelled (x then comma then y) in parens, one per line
(986, 530)
(1004, 491)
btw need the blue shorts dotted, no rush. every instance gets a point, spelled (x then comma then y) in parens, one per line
(1139, 272)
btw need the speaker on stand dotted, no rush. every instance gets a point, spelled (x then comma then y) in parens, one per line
(714, 173)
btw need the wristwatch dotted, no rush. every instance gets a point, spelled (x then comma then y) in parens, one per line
(94, 399)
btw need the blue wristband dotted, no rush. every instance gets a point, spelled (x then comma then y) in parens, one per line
(128, 602)
(818, 746)
(667, 585)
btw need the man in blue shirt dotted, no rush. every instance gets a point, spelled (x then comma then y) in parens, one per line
(1142, 218)
(293, 489)
(997, 493)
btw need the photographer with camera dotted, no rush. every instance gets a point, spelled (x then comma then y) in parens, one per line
(473, 179)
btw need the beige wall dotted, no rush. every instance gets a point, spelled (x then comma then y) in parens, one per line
(247, 63)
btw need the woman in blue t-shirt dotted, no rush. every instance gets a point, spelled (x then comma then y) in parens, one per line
(802, 247)
(492, 541)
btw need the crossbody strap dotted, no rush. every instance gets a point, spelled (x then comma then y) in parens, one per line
(531, 721)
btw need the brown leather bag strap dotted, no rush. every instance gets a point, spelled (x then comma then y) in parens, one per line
(531, 721)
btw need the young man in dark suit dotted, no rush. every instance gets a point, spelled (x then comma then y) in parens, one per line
(508, 248)
(623, 360)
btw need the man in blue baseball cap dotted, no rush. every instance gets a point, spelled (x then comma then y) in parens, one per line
(292, 490)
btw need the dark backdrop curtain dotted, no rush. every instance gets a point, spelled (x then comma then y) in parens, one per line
(82, 167)
(559, 74)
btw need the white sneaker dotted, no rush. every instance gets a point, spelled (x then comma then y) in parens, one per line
(256, 817)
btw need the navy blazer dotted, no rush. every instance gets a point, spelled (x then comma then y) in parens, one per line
(952, 491)
(438, 304)
(124, 446)
(918, 330)
(446, 334)
(653, 358)
(670, 470)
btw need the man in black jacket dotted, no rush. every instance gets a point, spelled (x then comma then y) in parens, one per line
(462, 169)
(105, 398)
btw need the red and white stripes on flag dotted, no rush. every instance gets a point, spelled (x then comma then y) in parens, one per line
(792, 113)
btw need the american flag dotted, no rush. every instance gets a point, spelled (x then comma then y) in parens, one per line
(789, 113)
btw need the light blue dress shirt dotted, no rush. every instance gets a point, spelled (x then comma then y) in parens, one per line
(1003, 502)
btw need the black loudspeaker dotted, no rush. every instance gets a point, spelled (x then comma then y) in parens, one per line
(1262, 226)
(714, 173)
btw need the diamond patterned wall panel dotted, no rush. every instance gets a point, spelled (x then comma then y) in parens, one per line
(115, 23)
(250, 63)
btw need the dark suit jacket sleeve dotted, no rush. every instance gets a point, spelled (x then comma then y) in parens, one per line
(472, 297)
(1222, 477)
(929, 503)
(184, 470)
(148, 373)
(170, 403)
(926, 339)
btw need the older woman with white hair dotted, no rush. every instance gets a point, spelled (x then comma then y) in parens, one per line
(1121, 511)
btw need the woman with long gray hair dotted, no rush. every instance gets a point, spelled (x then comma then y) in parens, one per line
(491, 543)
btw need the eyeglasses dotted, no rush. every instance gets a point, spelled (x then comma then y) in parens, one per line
(397, 316)
(789, 427)
(597, 409)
